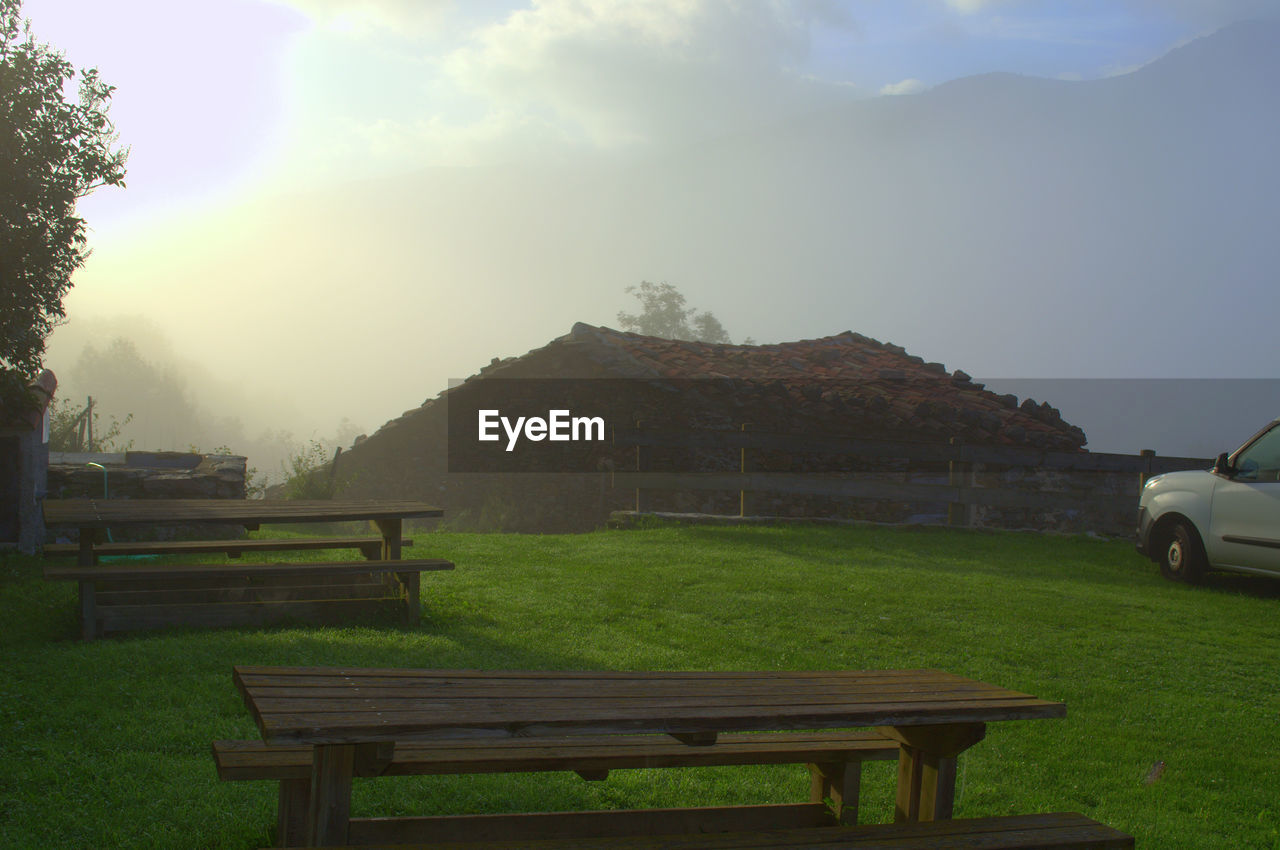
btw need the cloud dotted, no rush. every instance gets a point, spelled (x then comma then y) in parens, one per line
(908, 86)
(370, 16)
(615, 73)
(969, 7)
(1209, 15)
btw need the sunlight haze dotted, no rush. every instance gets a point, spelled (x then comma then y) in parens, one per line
(335, 206)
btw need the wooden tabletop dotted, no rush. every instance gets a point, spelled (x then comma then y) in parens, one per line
(340, 705)
(97, 513)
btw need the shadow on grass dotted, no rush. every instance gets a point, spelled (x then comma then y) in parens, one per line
(937, 549)
(440, 640)
(1243, 584)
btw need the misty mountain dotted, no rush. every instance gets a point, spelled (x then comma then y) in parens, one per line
(999, 224)
(1042, 201)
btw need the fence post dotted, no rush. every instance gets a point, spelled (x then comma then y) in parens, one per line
(746, 464)
(1144, 467)
(957, 512)
(639, 467)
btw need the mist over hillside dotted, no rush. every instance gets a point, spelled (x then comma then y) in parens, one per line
(1000, 224)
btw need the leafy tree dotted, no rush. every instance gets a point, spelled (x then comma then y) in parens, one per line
(663, 313)
(52, 153)
(312, 475)
(69, 430)
(165, 414)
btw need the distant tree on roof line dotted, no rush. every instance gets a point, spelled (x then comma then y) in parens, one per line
(663, 314)
(53, 152)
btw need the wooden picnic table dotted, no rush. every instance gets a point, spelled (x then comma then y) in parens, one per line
(141, 595)
(353, 717)
(89, 515)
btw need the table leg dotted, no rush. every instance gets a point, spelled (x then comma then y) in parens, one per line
(88, 610)
(329, 811)
(412, 582)
(841, 783)
(85, 557)
(292, 810)
(927, 768)
(391, 535)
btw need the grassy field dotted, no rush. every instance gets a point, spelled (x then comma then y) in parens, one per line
(105, 744)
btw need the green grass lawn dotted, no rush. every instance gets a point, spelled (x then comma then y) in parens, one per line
(106, 744)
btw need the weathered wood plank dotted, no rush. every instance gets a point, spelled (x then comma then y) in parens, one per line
(589, 705)
(90, 626)
(98, 513)
(330, 803)
(600, 824)
(442, 723)
(294, 800)
(219, 582)
(259, 674)
(240, 760)
(534, 704)
(839, 782)
(356, 687)
(291, 592)
(370, 546)
(1055, 831)
(146, 569)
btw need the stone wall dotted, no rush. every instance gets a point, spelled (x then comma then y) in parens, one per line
(147, 475)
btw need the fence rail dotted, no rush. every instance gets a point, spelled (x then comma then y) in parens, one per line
(960, 493)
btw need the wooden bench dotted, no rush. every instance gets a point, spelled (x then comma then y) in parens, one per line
(370, 547)
(834, 759)
(1058, 831)
(146, 595)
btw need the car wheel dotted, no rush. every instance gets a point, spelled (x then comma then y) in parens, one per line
(1183, 558)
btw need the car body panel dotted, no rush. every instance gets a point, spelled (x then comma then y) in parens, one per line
(1234, 507)
(1244, 525)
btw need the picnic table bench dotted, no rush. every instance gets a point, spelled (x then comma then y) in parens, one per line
(354, 721)
(1056, 831)
(370, 547)
(126, 595)
(834, 760)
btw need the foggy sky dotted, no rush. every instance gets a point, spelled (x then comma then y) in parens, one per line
(1098, 225)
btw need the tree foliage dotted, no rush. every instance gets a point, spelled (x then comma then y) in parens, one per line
(70, 430)
(663, 314)
(312, 475)
(52, 153)
(126, 382)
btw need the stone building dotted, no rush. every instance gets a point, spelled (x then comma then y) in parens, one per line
(844, 385)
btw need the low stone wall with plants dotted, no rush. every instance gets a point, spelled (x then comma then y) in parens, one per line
(147, 475)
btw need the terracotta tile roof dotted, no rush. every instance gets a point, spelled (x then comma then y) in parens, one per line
(831, 379)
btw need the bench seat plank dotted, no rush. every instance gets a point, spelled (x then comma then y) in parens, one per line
(595, 824)
(124, 596)
(149, 570)
(237, 760)
(834, 759)
(370, 546)
(1058, 831)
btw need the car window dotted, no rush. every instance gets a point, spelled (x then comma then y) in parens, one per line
(1261, 460)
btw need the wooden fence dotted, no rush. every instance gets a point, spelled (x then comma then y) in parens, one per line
(961, 493)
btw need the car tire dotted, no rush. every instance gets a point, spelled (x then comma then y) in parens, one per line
(1183, 557)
